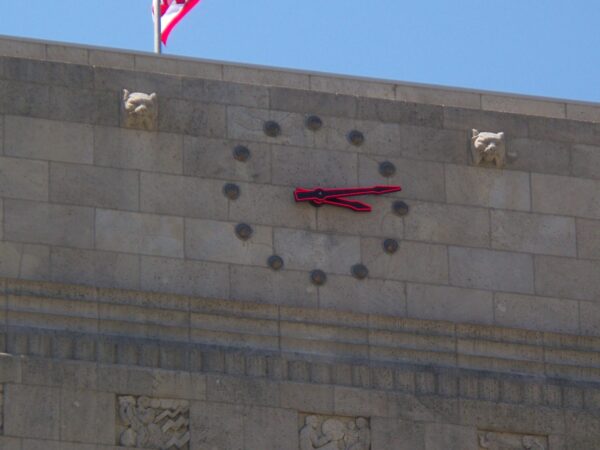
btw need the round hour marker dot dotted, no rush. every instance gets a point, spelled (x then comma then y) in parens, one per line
(356, 137)
(390, 246)
(243, 231)
(318, 277)
(275, 262)
(231, 191)
(314, 123)
(400, 208)
(272, 128)
(387, 169)
(241, 153)
(360, 271)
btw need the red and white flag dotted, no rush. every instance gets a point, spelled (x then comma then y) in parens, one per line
(171, 12)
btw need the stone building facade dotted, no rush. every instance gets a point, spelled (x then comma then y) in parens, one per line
(161, 289)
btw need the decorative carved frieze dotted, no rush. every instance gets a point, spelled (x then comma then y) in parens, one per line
(491, 440)
(139, 110)
(488, 148)
(153, 423)
(334, 433)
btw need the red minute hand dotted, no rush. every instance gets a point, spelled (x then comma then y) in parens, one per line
(319, 196)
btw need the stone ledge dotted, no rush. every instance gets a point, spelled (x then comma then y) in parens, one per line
(182, 323)
(318, 82)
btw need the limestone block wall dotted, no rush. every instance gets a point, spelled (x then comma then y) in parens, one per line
(86, 200)
(134, 315)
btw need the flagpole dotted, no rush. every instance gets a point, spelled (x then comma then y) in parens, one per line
(157, 43)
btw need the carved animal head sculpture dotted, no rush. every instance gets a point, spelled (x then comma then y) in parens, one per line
(488, 148)
(140, 110)
(138, 102)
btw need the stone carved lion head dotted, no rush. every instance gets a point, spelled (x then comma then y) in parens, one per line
(140, 110)
(488, 148)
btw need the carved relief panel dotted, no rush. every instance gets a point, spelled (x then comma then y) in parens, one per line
(153, 423)
(334, 433)
(491, 440)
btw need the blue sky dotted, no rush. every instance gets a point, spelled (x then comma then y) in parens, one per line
(538, 47)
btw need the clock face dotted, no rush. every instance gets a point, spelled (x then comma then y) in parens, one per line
(340, 198)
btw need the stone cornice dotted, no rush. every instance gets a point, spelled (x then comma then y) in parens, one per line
(183, 324)
(296, 79)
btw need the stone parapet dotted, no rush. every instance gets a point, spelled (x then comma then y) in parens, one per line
(295, 79)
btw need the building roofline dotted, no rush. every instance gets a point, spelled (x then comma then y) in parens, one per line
(300, 79)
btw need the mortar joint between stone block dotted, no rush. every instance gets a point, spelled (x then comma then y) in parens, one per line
(580, 326)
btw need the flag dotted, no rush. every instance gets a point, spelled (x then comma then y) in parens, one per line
(171, 12)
